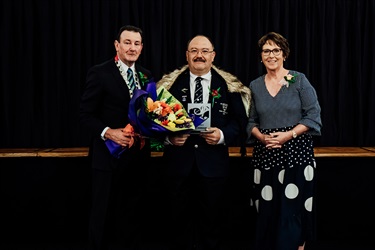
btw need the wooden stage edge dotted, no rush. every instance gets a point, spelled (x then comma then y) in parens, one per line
(233, 152)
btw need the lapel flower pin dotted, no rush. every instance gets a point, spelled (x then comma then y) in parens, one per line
(215, 94)
(288, 79)
(143, 77)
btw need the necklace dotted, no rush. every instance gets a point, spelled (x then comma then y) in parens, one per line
(123, 74)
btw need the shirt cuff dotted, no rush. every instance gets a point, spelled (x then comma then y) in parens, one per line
(102, 135)
(221, 141)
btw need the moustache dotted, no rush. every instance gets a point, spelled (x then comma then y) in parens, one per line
(199, 59)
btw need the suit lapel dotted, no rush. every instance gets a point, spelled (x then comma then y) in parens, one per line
(117, 75)
(185, 90)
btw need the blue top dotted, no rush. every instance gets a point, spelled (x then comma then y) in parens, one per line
(296, 104)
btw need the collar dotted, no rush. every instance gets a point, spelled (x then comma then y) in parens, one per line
(125, 67)
(205, 77)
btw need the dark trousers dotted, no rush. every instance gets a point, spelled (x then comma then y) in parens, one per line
(194, 211)
(116, 213)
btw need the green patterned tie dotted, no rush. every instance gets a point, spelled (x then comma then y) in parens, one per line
(131, 82)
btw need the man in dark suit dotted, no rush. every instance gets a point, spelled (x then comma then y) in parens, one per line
(197, 164)
(117, 182)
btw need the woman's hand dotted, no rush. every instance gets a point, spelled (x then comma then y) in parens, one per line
(276, 140)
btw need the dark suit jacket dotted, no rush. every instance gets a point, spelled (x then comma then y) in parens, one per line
(227, 114)
(105, 102)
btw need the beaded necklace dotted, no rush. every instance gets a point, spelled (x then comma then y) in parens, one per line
(123, 74)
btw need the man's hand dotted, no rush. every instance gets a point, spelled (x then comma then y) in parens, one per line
(213, 137)
(178, 139)
(120, 136)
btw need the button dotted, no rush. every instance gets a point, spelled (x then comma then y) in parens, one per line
(196, 146)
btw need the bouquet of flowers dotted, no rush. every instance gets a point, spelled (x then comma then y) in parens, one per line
(156, 113)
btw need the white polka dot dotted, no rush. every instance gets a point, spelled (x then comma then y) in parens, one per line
(309, 173)
(256, 176)
(291, 191)
(308, 204)
(257, 205)
(281, 176)
(267, 193)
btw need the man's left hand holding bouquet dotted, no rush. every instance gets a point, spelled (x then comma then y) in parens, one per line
(124, 137)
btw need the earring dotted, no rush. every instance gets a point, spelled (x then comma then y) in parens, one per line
(261, 61)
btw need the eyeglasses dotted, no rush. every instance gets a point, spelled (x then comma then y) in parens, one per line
(267, 52)
(204, 52)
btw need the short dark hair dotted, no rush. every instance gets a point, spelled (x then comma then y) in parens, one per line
(278, 39)
(128, 28)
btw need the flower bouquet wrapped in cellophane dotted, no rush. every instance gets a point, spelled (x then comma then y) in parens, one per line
(156, 113)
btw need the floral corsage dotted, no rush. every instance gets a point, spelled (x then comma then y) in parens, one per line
(288, 79)
(143, 78)
(215, 95)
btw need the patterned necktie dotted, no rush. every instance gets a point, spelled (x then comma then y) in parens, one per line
(198, 95)
(131, 82)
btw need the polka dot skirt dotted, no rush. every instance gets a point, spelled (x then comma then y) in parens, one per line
(283, 192)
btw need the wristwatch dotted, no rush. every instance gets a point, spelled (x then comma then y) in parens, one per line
(294, 134)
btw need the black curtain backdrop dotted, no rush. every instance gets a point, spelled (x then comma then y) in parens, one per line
(47, 46)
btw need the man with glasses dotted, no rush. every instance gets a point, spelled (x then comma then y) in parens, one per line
(197, 164)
